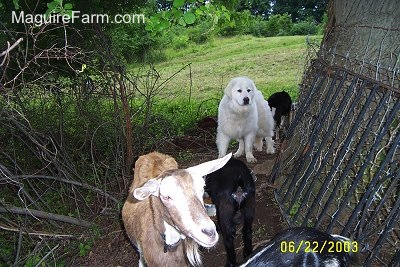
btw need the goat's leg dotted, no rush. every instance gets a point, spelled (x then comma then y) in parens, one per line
(226, 212)
(248, 210)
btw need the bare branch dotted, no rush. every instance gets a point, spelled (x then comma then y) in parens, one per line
(44, 215)
(5, 52)
(37, 233)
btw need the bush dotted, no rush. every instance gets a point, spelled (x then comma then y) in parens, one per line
(258, 28)
(201, 33)
(279, 25)
(240, 23)
(275, 25)
(306, 27)
(180, 41)
(132, 43)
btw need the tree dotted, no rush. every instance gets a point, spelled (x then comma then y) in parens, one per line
(364, 29)
(300, 10)
(256, 7)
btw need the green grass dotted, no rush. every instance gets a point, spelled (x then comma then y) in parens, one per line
(274, 63)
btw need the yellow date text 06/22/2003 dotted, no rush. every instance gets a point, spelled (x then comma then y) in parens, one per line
(318, 247)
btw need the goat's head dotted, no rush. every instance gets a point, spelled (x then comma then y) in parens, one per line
(181, 192)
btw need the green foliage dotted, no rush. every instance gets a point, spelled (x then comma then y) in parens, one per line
(133, 44)
(239, 23)
(164, 19)
(295, 209)
(201, 33)
(16, 4)
(185, 13)
(300, 10)
(280, 24)
(276, 25)
(33, 261)
(307, 27)
(172, 118)
(322, 25)
(84, 248)
(180, 41)
(187, 19)
(57, 7)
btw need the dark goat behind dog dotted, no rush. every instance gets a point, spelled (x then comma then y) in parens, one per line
(303, 246)
(282, 103)
(232, 190)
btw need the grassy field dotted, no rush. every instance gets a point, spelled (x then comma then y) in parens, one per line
(274, 63)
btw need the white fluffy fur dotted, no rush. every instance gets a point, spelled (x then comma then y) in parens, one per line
(244, 115)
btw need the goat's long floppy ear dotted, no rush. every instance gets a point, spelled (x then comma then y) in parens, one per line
(151, 187)
(209, 166)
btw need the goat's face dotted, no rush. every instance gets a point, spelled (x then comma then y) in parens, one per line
(182, 195)
(181, 192)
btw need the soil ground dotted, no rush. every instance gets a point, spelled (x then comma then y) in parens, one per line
(115, 249)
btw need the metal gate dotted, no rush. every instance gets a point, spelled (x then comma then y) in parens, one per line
(339, 167)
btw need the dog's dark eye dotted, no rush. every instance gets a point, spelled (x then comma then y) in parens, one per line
(240, 90)
(248, 90)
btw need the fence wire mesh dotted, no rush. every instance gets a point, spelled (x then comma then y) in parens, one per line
(338, 169)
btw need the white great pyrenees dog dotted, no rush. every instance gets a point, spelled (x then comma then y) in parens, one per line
(244, 115)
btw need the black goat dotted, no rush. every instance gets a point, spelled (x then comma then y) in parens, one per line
(232, 190)
(304, 246)
(281, 104)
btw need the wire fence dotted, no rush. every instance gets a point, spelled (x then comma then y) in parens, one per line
(339, 166)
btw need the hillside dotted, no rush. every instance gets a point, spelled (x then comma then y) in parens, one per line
(274, 63)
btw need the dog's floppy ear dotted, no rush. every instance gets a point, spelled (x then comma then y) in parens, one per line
(228, 88)
(252, 84)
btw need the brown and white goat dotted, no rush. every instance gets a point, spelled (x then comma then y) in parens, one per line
(164, 214)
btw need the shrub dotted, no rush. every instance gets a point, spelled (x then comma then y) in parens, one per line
(239, 23)
(275, 25)
(258, 28)
(306, 27)
(180, 41)
(202, 33)
(132, 43)
(279, 24)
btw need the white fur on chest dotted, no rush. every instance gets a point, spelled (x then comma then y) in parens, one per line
(235, 120)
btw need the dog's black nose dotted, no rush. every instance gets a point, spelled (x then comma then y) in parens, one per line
(246, 101)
